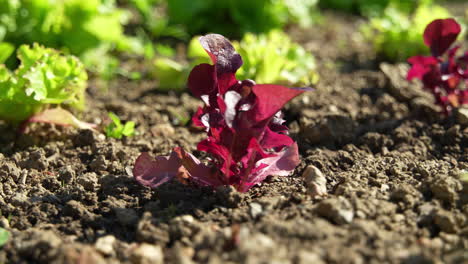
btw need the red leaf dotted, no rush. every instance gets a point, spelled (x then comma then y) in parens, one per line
(440, 34)
(421, 65)
(202, 80)
(272, 140)
(222, 53)
(282, 164)
(197, 171)
(153, 172)
(270, 99)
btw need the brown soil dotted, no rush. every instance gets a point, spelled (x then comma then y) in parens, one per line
(391, 166)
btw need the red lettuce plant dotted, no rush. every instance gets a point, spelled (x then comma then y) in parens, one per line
(247, 140)
(443, 73)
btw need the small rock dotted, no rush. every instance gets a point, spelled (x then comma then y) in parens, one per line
(105, 245)
(338, 210)
(255, 210)
(462, 116)
(126, 216)
(147, 254)
(384, 187)
(398, 217)
(315, 181)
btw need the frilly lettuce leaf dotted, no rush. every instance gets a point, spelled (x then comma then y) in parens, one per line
(44, 77)
(275, 58)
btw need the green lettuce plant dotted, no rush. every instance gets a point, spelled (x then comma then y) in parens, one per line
(275, 58)
(44, 78)
(397, 36)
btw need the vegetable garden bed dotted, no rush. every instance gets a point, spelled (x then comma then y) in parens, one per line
(386, 184)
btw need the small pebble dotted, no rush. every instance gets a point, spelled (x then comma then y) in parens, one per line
(147, 254)
(315, 181)
(105, 245)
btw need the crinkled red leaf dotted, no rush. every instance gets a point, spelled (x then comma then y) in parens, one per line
(282, 164)
(197, 171)
(152, 172)
(254, 153)
(202, 80)
(270, 99)
(219, 152)
(225, 58)
(272, 139)
(197, 118)
(222, 53)
(440, 34)
(421, 65)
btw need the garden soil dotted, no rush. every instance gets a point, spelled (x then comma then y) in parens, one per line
(379, 180)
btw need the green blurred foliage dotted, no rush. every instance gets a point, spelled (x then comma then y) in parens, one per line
(372, 8)
(233, 18)
(44, 77)
(397, 36)
(72, 25)
(182, 19)
(154, 20)
(89, 29)
(268, 58)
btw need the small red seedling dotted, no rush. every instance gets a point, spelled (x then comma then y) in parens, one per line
(446, 78)
(247, 139)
